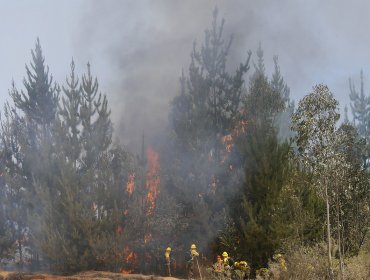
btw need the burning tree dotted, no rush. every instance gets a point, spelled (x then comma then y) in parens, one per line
(62, 171)
(265, 164)
(150, 216)
(202, 115)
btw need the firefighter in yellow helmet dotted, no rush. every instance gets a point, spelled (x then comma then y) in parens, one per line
(167, 256)
(228, 264)
(191, 261)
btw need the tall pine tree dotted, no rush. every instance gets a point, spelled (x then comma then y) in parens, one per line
(201, 115)
(265, 163)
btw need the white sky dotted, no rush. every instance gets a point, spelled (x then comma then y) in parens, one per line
(138, 48)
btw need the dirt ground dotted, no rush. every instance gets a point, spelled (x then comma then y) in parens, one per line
(95, 275)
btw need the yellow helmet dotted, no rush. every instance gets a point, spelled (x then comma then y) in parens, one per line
(193, 246)
(224, 254)
(168, 249)
(277, 256)
(243, 263)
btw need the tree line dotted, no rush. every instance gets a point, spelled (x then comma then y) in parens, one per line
(241, 169)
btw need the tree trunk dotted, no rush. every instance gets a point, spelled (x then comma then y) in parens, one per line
(331, 275)
(339, 238)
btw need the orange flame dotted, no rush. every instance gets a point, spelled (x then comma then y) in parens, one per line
(123, 271)
(130, 259)
(130, 184)
(130, 256)
(227, 140)
(152, 178)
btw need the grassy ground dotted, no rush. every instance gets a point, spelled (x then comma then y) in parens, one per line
(95, 275)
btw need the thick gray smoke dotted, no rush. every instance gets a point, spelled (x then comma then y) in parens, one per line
(147, 43)
(138, 48)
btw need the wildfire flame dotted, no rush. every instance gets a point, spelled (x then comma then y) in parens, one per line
(130, 257)
(123, 271)
(152, 178)
(227, 140)
(130, 184)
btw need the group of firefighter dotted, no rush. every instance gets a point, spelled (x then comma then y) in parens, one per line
(224, 268)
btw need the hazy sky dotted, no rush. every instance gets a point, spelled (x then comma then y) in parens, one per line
(138, 48)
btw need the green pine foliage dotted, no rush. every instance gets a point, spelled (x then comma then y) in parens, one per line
(265, 162)
(360, 107)
(65, 181)
(255, 209)
(39, 101)
(89, 182)
(28, 145)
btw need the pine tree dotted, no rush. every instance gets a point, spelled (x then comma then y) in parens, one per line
(360, 106)
(39, 102)
(27, 146)
(264, 101)
(210, 103)
(69, 112)
(95, 118)
(13, 191)
(88, 184)
(265, 164)
(205, 111)
(279, 86)
(254, 210)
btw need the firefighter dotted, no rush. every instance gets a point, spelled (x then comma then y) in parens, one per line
(218, 265)
(280, 259)
(218, 268)
(192, 261)
(228, 264)
(167, 256)
(241, 270)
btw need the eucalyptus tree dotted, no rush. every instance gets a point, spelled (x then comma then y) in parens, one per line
(351, 192)
(315, 125)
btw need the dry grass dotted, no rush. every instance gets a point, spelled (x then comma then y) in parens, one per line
(311, 264)
(93, 275)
